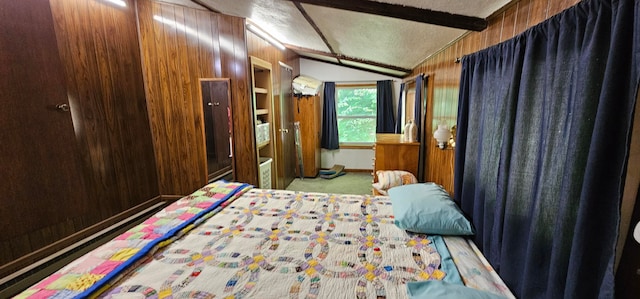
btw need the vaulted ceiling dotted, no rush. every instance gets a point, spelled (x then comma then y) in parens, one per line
(388, 36)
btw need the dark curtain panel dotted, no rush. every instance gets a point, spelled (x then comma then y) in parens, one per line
(417, 111)
(329, 119)
(543, 129)
(399, 111)
(421, 81)
(384, 106)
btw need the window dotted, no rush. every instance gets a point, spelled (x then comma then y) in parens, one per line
(356, 113)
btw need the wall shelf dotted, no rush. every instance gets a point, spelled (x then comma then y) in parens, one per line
(262, 95)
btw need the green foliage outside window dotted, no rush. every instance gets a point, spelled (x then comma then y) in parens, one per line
(356, 112)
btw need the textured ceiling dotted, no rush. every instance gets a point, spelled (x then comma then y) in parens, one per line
(381, 44)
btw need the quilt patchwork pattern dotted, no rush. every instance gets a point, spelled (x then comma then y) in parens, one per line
(285, 244)
(96, 269)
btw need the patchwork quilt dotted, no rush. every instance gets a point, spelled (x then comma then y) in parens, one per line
(263, 244)
(102, 266)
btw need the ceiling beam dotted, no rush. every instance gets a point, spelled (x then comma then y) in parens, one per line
(404, 12)
(208, 7)
(355, 67)
(302, 51)
(315, 27)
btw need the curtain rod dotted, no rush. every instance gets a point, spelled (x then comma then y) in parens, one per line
(412, 79)
(361, 81)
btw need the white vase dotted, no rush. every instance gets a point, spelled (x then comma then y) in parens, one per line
(410, 132)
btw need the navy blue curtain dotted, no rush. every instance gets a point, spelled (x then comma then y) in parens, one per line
(417, 111)
(329, 138)
(399, 112)
(384, 106)
(543, 137)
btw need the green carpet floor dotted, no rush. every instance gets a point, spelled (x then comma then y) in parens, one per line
(350, 183)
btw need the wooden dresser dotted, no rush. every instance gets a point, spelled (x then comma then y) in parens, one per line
(391, 153)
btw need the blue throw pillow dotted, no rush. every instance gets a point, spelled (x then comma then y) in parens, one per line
(442, 290)
(428, 209)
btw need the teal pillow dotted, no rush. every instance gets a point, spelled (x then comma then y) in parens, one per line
(428, 209)
(442, 290)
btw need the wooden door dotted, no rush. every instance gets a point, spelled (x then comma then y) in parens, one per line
(42, 182)
(287, 155)
(216, 106)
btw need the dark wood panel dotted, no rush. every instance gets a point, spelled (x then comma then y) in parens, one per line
(174, 59)
(99, 48)
(42, 183)
(88, 52)
(36, 177)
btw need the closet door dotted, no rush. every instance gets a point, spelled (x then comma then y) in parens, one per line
(216, 100)
(42, 178)
(287, 152)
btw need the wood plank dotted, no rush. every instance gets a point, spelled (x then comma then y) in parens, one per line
(522, 19)
(538, 12)
(509, 23)
(558, 6)
(494, 30)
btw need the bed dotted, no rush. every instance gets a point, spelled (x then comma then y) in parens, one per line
(230, 240)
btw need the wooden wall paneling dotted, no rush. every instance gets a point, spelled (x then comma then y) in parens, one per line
(43, 179)
(210, 46)
(173, 109)
(156, 79)
(191, 48)
(509, 23)
(99, 47)
(558, 6)
(522, 20)
(209, 53)
(193, 144)
(152, 80)
(247, 158)
(537, 12)
(100, 78)
(494, 30)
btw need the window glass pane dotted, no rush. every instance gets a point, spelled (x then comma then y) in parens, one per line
(352, 130)
(356, 102)
(356, 112)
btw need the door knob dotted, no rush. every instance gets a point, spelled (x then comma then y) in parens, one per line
(284, 130)
(63, 107)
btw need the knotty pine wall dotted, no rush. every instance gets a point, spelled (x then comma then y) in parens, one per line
(180, 45)
(260, 48)
(444, 74)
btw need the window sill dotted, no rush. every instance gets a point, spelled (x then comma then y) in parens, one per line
(356, 145)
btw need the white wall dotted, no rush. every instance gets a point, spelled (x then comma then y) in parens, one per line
(350, 158)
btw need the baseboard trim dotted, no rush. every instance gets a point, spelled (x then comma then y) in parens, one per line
(358, 170)
(51, 252)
